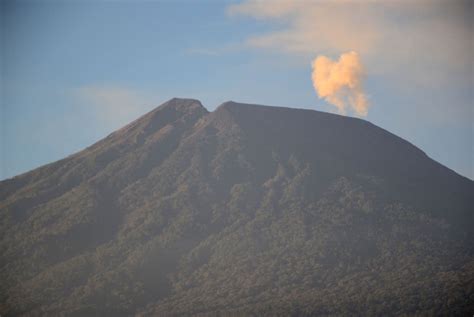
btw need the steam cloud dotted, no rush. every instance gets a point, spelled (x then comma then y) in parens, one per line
(340, 82)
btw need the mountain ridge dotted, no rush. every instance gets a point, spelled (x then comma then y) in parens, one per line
(228, 105)
(245, 210)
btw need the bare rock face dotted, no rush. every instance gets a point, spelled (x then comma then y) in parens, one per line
(247, 210)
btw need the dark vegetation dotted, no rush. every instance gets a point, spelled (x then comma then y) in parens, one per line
(248, 210)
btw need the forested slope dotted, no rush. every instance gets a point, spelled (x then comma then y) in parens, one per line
(246, 210)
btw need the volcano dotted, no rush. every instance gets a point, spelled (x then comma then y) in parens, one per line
(248, 210)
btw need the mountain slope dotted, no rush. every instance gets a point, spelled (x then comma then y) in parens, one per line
(244, 210)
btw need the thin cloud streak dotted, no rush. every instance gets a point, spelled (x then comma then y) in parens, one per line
(114, 105)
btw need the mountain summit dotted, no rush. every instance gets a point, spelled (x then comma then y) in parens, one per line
(246, 210)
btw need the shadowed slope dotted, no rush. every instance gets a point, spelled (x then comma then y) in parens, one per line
(246, 210)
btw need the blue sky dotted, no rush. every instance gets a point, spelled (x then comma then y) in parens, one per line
(72, 72)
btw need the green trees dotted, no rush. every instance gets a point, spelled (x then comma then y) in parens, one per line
(243, 211)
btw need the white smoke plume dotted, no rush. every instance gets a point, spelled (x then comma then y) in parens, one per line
(340, 82)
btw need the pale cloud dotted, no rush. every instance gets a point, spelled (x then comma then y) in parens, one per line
(425, 38)
(311, 27)
(114, 105)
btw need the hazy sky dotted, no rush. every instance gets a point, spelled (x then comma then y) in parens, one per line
(74, 71)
